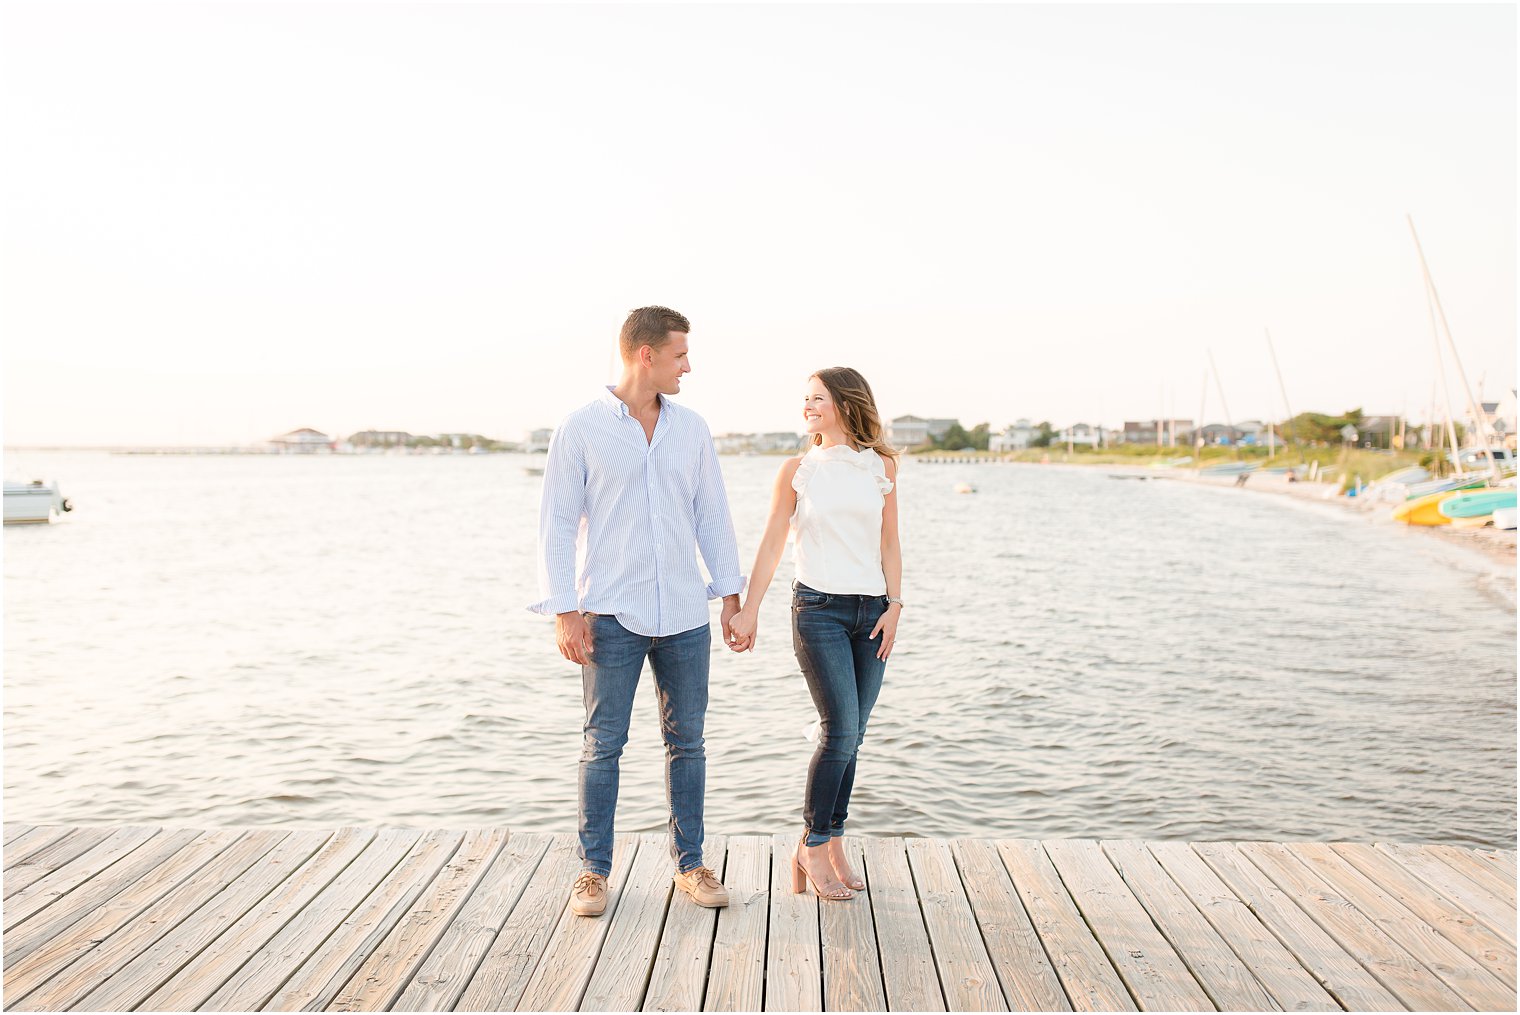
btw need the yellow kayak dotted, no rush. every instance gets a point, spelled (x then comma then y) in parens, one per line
(1425, 510)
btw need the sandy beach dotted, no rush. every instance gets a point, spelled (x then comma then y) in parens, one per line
(1496, 544)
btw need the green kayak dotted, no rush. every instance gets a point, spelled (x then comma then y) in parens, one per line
(1476, 505)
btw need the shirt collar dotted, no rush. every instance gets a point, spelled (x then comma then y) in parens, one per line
(620, 408)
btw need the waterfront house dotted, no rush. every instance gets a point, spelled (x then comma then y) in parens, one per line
(911, 431)
(304, 441)
(370, 440)
(1080, 435)
(1013, 438)
(1144, 431)
(538, 440)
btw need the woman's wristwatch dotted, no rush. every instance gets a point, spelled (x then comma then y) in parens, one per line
(894, 599)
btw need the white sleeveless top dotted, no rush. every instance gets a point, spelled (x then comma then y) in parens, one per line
(837, 524)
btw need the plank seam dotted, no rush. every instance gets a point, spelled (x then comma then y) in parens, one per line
(1322, 886)
(399, 987)
(127, 921)
(1176, 947)
(1082, 914)
(296, 967)
(966, 887)
(239, 968)
(1323, 981)
(158, 984)
(918, 900)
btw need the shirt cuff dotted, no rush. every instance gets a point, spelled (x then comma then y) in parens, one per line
(565, 602)
(727, 587)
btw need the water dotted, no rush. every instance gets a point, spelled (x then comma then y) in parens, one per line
(316, 641)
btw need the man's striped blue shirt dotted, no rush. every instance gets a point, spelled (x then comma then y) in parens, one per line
(622, 518)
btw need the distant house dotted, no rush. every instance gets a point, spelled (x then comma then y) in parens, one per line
(1219, 433)
(1080, 434)
(304, 441)
(1143, 431)
(1013, 438)
(380, 439)
(779, 440)
(742, 443)
(538, 440)
(911, 431)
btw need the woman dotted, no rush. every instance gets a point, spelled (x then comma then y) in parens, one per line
(840, 498)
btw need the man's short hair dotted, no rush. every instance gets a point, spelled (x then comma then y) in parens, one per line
(650, 326)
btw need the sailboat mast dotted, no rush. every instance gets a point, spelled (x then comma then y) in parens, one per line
(1479, 421)
(1229, 421)
(1284, 389)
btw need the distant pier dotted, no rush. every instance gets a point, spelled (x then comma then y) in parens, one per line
(361, 919)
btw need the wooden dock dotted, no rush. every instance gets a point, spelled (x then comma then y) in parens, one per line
(158, 919)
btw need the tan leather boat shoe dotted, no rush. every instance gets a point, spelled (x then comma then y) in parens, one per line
(704, 888)
(589, 896)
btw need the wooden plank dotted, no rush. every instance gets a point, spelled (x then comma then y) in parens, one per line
(270, 964)
(1274, 967)
(565, 968)
(446, 972)
(113, 950)
(736, 977)
(793, 956)
(503, 974)
(324, 973)
(1476, 986)
(14, 829)
(1502, 860)
(1404, 975)
(383, 975)
(96, 892)
(44, 860)
(965, 971)
(215, 964)
(34, 961)
(621, 975)
(1227, 980)
(679, 974)
(851, 958)
(24, 845)
(1455, 886)
(908, 972)
(45, 891)
(148, 969)
(1353, 986)
(1157, 978)
(1476, 939)
(1090, 981)
(1028, 980)
(1482, 873)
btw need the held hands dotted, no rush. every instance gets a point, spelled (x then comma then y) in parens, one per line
(731, 612)
(887, 628)
(573, 634)
(741, 630)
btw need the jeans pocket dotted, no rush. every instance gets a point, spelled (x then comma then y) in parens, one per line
(805, 600)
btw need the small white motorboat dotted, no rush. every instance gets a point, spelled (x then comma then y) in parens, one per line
(33, 503)
(964, 488)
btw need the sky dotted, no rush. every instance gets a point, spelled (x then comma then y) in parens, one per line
(224, 221)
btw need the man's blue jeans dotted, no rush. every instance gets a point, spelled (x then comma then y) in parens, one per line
(831, 635)
(680, 664)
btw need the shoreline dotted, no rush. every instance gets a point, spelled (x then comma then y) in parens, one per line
(1497, 546)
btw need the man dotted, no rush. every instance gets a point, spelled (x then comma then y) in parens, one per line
(632, 483)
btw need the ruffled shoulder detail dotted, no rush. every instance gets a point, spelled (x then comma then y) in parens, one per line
(879, 471)
(805, 470)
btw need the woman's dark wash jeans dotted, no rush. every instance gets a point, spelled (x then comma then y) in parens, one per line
(831, 635)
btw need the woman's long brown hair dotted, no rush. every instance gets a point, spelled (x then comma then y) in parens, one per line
(857, 409)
